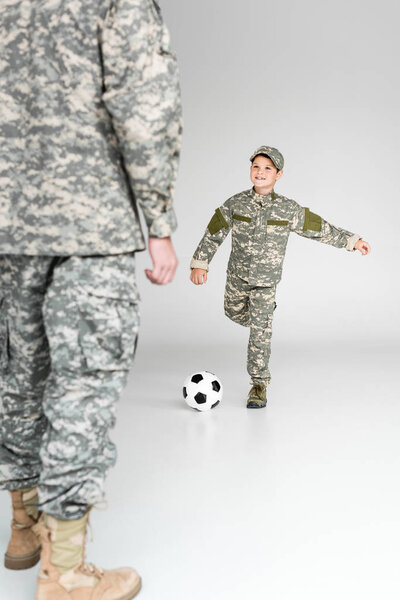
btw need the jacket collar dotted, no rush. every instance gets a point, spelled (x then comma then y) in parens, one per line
(263, 200)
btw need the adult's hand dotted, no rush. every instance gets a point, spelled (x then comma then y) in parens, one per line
(164, 259)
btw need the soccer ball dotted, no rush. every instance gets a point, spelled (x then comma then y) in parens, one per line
(202, 390)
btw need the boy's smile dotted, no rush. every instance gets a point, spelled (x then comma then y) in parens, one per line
(264, 174)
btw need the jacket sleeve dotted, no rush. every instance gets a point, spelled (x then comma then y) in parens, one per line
(312, 226)
(217, 230)
(142, 95)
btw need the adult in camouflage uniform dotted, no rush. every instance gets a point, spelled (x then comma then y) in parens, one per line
(260, 221)
(90, 127)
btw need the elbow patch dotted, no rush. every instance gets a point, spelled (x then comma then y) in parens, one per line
(312, 222)
(217, 222)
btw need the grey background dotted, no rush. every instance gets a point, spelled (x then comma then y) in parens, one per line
(319, 80)
(299, 500)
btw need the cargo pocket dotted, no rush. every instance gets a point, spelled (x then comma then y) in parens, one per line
(108, 329)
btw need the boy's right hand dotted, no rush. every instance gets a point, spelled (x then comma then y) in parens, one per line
(198, 276)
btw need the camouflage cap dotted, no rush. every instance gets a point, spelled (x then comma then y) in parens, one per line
(273, 153)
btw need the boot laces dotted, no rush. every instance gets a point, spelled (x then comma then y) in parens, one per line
(92, 569)
(257, 390)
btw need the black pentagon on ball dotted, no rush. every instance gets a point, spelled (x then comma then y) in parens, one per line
(184, 392)
(215, 404)
(216, 386)
(200, 398)
(197, 378)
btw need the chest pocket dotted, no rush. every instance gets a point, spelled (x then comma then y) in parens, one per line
(277, 222)
(242, 218)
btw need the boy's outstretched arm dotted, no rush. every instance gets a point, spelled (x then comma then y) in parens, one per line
(217, 230)
(311, 225)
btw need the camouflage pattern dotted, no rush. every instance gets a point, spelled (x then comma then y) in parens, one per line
(260, 230)
(273, 153)
(90, 125)
(252, 307)
(68, 332)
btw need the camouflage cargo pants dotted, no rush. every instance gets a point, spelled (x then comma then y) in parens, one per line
(252, 307)
(68, 331)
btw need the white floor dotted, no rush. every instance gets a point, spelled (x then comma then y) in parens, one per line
(298, 500)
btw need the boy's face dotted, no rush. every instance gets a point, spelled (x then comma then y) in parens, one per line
(264, 174)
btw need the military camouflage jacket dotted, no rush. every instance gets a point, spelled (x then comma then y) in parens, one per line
(90, 125)
(260, 230)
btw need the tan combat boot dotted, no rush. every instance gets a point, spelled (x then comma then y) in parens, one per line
(64, 575)
(23, 550)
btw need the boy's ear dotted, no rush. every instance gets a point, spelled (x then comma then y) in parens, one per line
(279, 174)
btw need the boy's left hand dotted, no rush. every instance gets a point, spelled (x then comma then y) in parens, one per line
(362, 246)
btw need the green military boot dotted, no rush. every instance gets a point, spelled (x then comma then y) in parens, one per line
(23, 549)
(64, 575)
(257, 396)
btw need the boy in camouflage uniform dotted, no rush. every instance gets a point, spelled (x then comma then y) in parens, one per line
(261, 220)
(90, 126)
